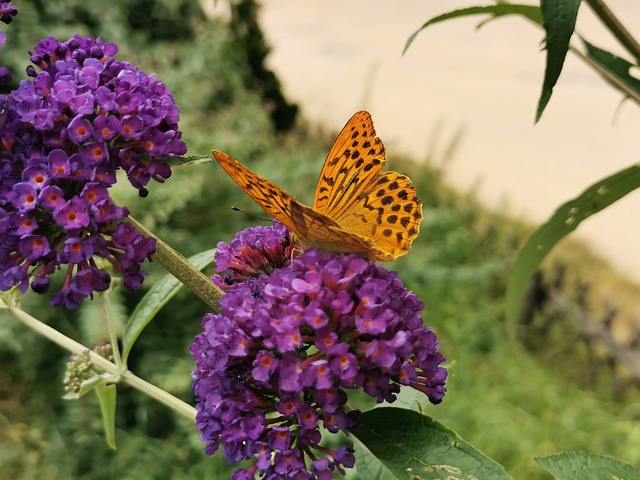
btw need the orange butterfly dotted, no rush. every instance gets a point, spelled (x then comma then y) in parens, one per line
(357, 207)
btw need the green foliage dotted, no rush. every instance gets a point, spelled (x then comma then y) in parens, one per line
(619, 67)
(403, 443)
(566, 218)
(107, 395)
(559, 20)
(586, 466)
(495, 11)
(156, 298)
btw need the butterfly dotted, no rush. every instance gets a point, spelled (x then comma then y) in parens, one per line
(357, 208)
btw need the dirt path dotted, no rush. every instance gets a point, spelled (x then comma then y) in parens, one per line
(335, 57)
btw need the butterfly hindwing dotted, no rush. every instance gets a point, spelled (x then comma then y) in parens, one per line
(389, 213)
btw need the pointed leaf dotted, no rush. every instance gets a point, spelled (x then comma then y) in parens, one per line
(154, 300)
(566, 218)
(559, 21)
(399, 443)
(586, 466)
(529, 11)
(189, 160)
(617, 66)
(107, 398)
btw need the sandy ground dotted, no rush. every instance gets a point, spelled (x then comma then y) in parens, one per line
(337, 56)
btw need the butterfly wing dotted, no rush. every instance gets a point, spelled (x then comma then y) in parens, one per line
(352, 190)
(311, 228)
(275, 201)
(316, 230)
(388, 213)
(355, 160)
(356, 208)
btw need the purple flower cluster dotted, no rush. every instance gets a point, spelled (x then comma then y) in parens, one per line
(7, 12)
(274, 364)
(252, 252)
(64, 134)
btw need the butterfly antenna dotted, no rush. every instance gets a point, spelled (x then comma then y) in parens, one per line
(236, 209)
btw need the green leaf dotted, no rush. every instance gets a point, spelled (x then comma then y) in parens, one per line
(154, 300)
(399, 443)
(587, 466)
(189, 161)
(89, 385)
(617, 66)
(559, 21)
(369, 467)
(528, 11)
(565, 219)
(107, 398)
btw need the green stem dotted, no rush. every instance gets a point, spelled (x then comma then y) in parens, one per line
(182, 269)
(105, 304)
(102, 363)
(160, 395)
(615, 27)
(608, 76)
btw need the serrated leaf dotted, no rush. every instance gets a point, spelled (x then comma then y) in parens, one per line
(565, 219)
(587, 466)
(617, 66)
(189, 161)
(559, 21)
(402, 444)
(107, 398)
(154, 300)
(529, 11)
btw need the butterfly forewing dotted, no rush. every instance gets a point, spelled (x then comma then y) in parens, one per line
(353, 163)
(275, 201)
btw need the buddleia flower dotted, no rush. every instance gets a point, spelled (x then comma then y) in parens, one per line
(65, 132)
(273, 367)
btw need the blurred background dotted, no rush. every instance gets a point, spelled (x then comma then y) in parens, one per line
(271, 83)
(335, 57)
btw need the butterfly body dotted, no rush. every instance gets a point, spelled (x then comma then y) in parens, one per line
(357, 207)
